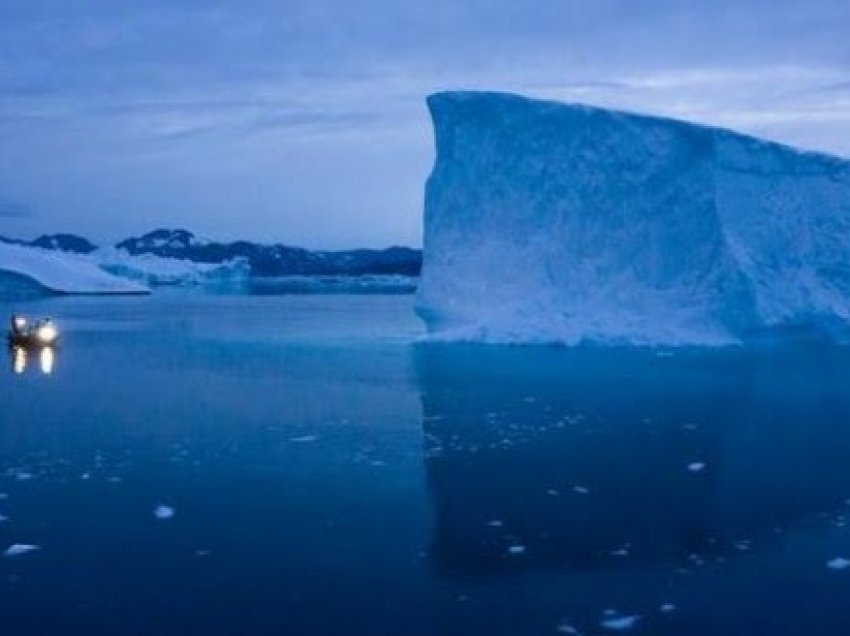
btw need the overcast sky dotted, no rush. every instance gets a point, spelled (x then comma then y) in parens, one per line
(303, 121)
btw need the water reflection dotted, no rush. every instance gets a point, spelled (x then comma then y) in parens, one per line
(20, 358)
(592, 459)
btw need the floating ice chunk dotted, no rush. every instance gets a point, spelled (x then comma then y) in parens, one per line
(619, 622)
(565, 628)
(3, 518)
(163, 512)
(516, 550)
(303, 439)
(552, 492)
(17, 549)
(580, 490)
(838, 563)
(696, 467)
(495, 523)
(666, 608)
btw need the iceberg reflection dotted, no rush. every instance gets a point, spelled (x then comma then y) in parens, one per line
(593, 458)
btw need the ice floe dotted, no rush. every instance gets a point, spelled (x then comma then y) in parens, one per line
(17, 549)
(617, 622)
(303, 439)
(163, 512)
(838, 563)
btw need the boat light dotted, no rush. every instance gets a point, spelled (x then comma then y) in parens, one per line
(47, 333)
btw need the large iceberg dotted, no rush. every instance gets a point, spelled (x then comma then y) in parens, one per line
(547, 222)
(31, 270)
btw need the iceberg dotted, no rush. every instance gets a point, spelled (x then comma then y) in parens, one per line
(31, 270)
(159, 271)
(547, 222)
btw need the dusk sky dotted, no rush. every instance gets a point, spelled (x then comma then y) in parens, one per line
(304, 121)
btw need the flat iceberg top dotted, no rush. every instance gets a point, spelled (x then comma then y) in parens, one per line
(62, 273)
(547, 222)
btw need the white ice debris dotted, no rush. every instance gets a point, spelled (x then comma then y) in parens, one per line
(547, 222)
(516, 550)
(17, 549)
(838, 563)
(696, 467)
(163, 512)
(581, 490)
(666, 608)
(303, 439)
(616, 622)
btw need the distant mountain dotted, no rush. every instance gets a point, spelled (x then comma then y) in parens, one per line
(65, 243)
(276, 260)
(263, 259)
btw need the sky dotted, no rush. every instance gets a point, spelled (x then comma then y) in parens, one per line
(304, 122)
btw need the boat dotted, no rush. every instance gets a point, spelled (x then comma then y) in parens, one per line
(38, 335)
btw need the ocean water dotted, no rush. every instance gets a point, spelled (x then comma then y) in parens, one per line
(193, 464)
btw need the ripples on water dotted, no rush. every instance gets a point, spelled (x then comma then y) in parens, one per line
(198, 464)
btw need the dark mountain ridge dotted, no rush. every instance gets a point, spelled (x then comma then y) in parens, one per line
(263, 259)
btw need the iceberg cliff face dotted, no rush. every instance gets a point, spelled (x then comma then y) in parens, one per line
(554, 223)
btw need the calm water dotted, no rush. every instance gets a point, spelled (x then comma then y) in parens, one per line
(328, 476)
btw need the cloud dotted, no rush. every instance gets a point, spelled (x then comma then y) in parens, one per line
(118, 113)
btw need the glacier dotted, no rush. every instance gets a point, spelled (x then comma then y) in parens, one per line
(159, 271)
(556, 223)
(32, 271)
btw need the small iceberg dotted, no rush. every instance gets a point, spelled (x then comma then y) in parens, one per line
(17, 549)
(44, 271)
(838, 563)
(619, 623)
(163, 512)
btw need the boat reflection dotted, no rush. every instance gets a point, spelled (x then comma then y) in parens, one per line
(20, 358)
(590, 459)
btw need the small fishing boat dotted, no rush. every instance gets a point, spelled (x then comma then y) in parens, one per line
(42, 333)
